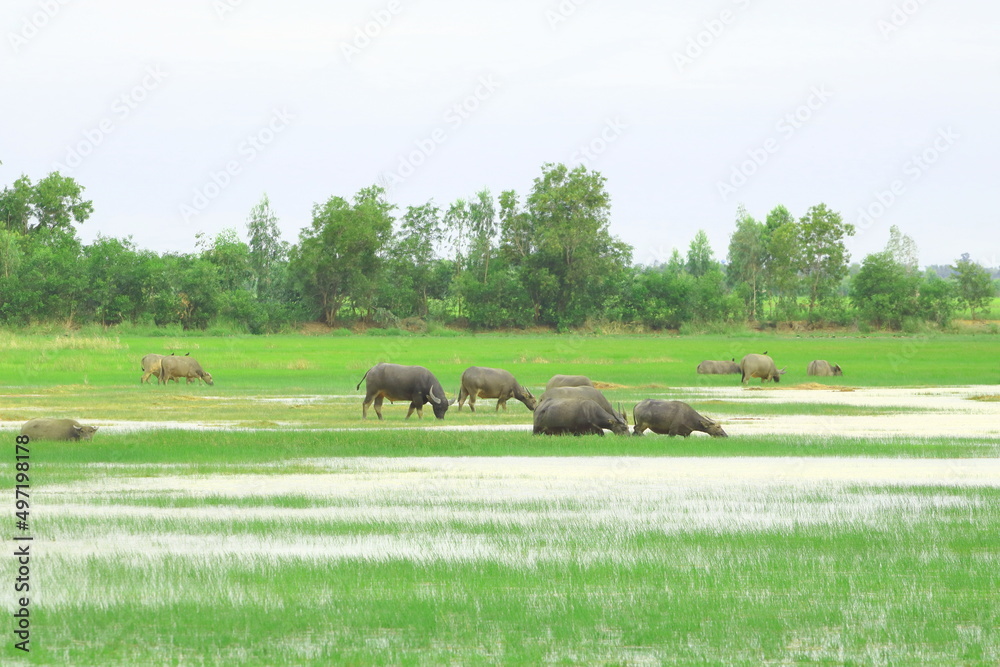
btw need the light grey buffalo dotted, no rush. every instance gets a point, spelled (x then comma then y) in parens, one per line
(57, 429)
(711, 367)
(581, 393)
(415, 384)
(481, 382)
(568, 381)
(574, 416)
(824, 368)
(172, 368)
(760, 366)
(150, 366)
(672, 418)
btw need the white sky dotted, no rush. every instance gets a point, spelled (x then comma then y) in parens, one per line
(889, 81)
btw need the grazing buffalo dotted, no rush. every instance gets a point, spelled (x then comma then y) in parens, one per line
(709, 367)
(415, 384)
(573, 416)
(568, 381)
(150, 366)
(581, 393)
(759, 366)
(672, 418)
(57, 429)
(823, 367)
(182, 367)
(479, 382)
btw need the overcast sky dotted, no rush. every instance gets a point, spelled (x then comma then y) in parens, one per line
(177, 116)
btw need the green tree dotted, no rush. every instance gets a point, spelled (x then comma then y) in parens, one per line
(700, 258)
(54, 203)
(937, 300)
(339, 257)
(973, 285)
(747, 259)
(268, 253)
(824, 255)
(784, 262)
(902, 248)
(884, 292)
(118, 280)
(576, 261)
(411, 261)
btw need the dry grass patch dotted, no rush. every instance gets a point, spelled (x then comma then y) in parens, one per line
(609, 385)
(986, 398)
(301, 365)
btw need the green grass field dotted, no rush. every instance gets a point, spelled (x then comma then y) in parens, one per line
(322, 539)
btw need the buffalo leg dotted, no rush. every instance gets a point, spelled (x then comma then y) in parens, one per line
(378, 406)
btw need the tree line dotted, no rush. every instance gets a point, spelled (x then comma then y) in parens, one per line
(544, 259)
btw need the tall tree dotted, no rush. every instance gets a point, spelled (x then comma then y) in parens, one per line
(784, 262)
(884, 291)
(267, 251)
(973, 285)
(747, 258)
(902, 248)
(824, 255)
(700, 258)
(54, 203)
(339, 256)
(576, 258)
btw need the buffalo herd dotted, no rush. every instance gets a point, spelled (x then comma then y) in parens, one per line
(570, 404)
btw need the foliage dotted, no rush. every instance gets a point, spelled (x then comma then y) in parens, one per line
(973, 285)
(884, 291)
(338, 256)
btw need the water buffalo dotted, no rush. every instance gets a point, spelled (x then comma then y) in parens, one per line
(150, 366)
(568, 381)
(823, 367)
(415, 384)
(57, 429)
(480, 382)
(672, 418)
(709, 367)
(581, 393)
(573, 416)
(759, 366)
(182, 367)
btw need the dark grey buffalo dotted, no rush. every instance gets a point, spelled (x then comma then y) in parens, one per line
(824, 368)
(573, 416)
(711, 367)
(480, 382)
(581, 393)
(760, 366)
(173, 367)
(672, 418)
(415, 384)
(57, 429)
(568, 381)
